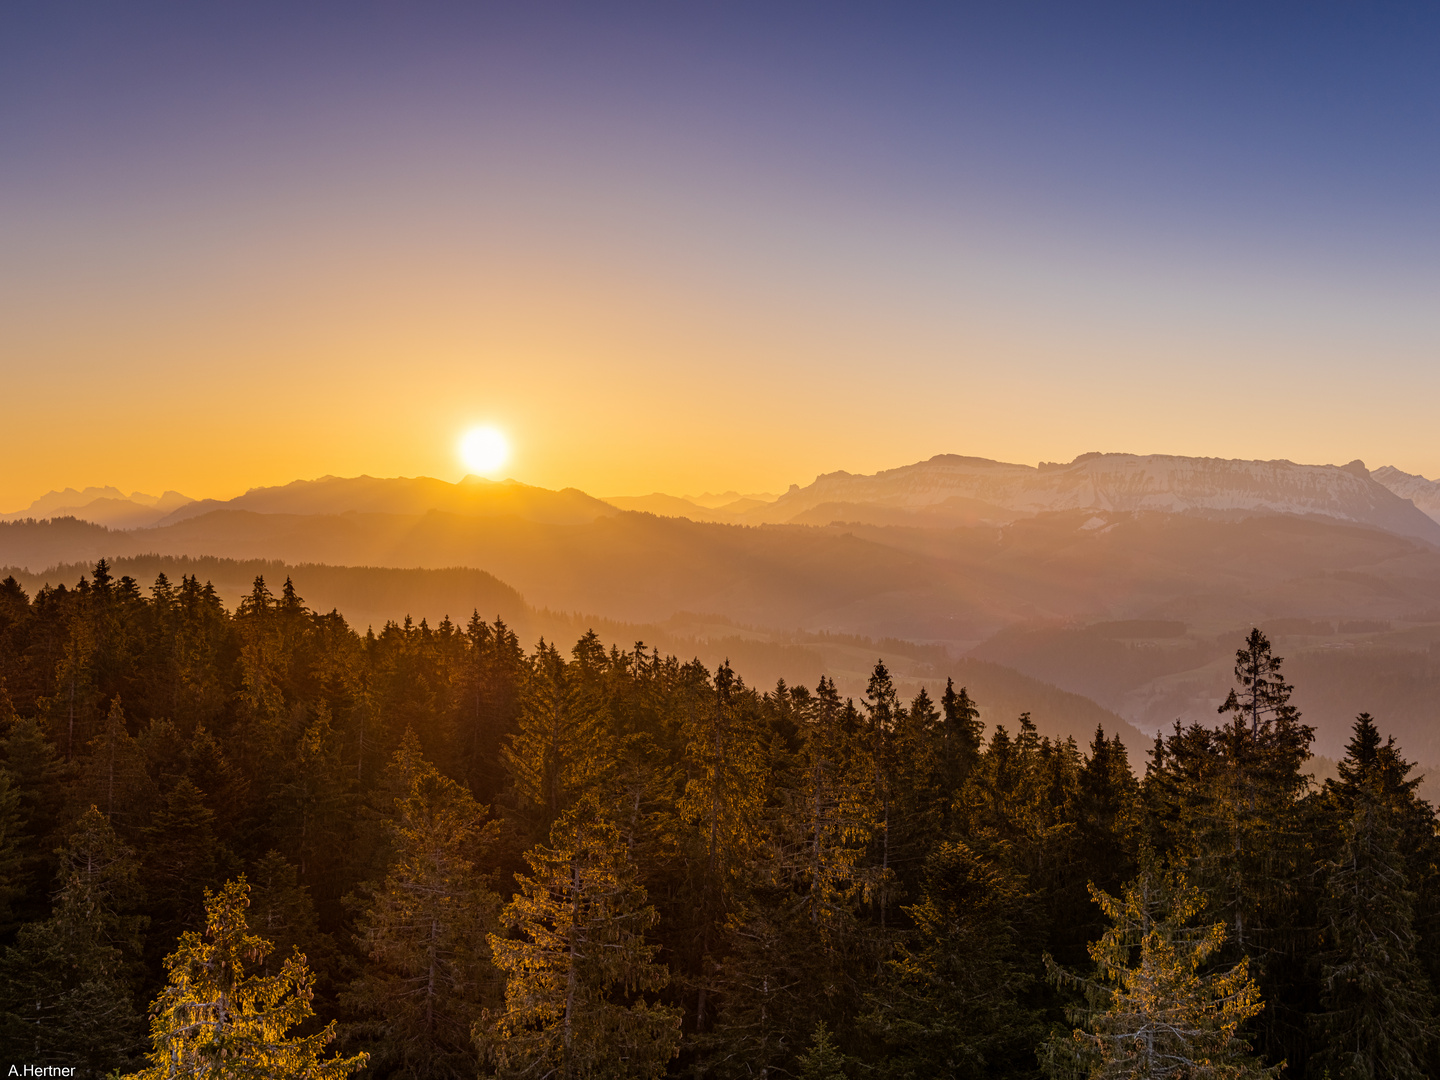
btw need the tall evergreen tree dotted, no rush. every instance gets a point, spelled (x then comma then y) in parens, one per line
(213, 1021)
(579, 971)
(559, 752)
(961, 737)
(1227, 803)
(1379, 1006)
(951, 1005)
(13, 874)
(39, 778)
(726, 760)
(424, 931)
(182, 860)
(67, 985)
(1165, 1014)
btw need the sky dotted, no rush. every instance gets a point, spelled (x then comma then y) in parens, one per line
(704, 246)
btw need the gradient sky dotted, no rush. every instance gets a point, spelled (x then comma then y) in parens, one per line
(689, 246)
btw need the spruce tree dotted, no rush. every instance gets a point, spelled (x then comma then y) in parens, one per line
(579, 971)
(960, 738)
(423, 931)
(823, 1061)
(827, 822)
(13, 876)
(798, 948)
(1378, 1017)
(213, 1021)
(38, 777)
(726, 760)
(67, 985)
(1156, 1006)
(182, 860)
(1227, 803)
(559, 753)
(283, 914)
(950, 1005)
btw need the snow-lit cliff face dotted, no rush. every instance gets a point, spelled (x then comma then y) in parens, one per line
(1125, 482)
(1423, 493)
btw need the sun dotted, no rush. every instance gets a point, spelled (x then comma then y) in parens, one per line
(484, 450)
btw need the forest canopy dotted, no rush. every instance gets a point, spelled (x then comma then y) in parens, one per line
(259, 843)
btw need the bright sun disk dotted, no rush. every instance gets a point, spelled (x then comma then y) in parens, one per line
(484, 450)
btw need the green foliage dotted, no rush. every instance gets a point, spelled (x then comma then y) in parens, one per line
(823, 1061)
(215, 1022)
(1166, 1015)
(1229, 806)
(578, 974)
(67, 985)
(758, 864)
(12, 859)
(423, 931)
(1378, 1017)
(952, 1003)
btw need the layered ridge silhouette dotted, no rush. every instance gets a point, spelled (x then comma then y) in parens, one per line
(964, 554)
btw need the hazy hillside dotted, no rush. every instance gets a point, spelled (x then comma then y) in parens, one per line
(670, 506)
(1154, 673)
(1024, 589)
(103, 506)
(957, 585)
(370, 596)
(472, 496)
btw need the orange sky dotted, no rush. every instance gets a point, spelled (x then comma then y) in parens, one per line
(627, 383)
(682, 262)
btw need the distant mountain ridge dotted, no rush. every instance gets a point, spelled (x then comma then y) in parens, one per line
(107, 506)
(471, 497)
(1425, 494)
(947, 491)
(1125, 483)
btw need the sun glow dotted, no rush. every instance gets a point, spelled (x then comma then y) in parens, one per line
(484, 450)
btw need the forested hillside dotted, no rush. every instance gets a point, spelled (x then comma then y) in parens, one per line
(574, 860)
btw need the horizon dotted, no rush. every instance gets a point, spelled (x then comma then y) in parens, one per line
(774, 493)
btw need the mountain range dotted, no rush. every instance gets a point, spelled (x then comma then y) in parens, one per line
(952, 490)
(104, 506)
(945, 490)
(1127, 579)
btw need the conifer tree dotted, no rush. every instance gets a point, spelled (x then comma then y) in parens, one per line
(559, 752)
(113, 775)
(1227, 804)
(12, 857)
(489, 705)
(725, 758)
(313, 792)
(38, 777)
(882, 708)
(950, 1003)
(1379, 1008)
(1105, 817)
(215, 1022)
(67, 984)
(960, 738)
(182, 859)
(283, 914)
(577, 974)
(424, 930)
(797, 947)
(823, 1061)
(827, 824)
(1165, 1014)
